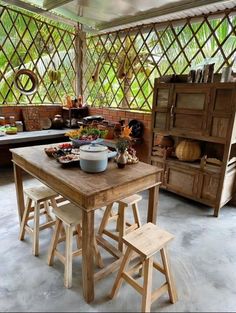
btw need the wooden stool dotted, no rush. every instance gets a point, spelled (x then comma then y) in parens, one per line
(71, 217)
(146, 241)
(120, 218)
(41, 198)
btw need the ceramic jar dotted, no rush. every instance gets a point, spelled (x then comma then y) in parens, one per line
(57, 122)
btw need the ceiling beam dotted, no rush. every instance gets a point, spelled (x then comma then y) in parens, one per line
(52, 4)
(153, 13)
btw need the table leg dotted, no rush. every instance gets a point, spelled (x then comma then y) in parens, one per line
(152, 204)
(19, 191)
(87, 255)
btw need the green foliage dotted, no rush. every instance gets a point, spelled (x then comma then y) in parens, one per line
(28, 42)
(150, 55)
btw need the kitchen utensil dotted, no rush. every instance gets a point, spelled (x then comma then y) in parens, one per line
(93, 158)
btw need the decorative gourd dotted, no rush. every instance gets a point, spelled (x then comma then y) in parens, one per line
(188, 150)
(54, 75)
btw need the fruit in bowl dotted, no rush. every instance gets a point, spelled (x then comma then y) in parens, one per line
(83, 136)
(66, 147)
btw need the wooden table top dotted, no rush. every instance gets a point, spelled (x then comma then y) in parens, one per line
(90, 190)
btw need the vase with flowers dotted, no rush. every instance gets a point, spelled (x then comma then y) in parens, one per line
(122, 144)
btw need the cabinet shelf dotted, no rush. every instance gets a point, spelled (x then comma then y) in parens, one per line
(190, 136)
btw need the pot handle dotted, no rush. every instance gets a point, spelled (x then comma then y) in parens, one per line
(97, 141)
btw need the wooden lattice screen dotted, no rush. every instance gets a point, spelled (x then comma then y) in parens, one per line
(33, 43)
(120, 67)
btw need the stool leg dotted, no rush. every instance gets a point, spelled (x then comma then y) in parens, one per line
(136, 214)
(147, 285)
(171, 286)
(123, 267)
(97, 255)
(121, 213)
(25, 218)
(47, 209)
(36, 229)
(54, 242)
(68, 257)
(105, 218)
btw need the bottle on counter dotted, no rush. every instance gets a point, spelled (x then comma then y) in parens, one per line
(19, 126)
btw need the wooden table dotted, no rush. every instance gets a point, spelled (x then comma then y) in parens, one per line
(87, 191)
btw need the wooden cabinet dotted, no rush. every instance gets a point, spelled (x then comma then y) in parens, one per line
(203, 112)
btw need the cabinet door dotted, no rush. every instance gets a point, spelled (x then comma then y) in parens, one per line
(189, 109)
(161, 105)
(183, 181)
(221, 111)
(210, 186)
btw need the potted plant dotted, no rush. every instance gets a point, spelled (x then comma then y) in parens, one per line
(122, 144)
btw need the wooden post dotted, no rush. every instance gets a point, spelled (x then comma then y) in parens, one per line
(19, 190)
(87, 254)
(79, 65)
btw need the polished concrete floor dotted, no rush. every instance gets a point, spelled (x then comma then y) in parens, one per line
(203, 258)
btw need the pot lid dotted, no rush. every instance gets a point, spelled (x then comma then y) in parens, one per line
(93, 147)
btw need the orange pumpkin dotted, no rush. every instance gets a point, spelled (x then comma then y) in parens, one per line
(188, 150)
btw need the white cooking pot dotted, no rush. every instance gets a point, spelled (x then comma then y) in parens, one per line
(93, 158)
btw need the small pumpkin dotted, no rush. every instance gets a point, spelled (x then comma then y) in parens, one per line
(188, 150)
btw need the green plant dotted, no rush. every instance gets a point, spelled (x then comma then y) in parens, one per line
(122, 144)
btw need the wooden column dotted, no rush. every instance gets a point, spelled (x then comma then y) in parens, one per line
(80, 52)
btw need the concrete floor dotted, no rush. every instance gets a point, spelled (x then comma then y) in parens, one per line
(203, 257)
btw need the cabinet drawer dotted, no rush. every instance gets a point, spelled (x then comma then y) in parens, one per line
(184, 181)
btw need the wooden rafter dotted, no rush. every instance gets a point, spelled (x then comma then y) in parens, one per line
(52, 4)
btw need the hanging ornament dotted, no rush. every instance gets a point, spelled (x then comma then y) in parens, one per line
(96, 72)
(121, 69)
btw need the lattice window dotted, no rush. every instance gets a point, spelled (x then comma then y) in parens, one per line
(28, 42)
(120, 67)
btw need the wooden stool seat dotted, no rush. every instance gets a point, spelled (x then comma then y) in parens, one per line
(69, 214)
(146, 241)
(38, 202)
(71, 217)
(40, 194)
(122, 226)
